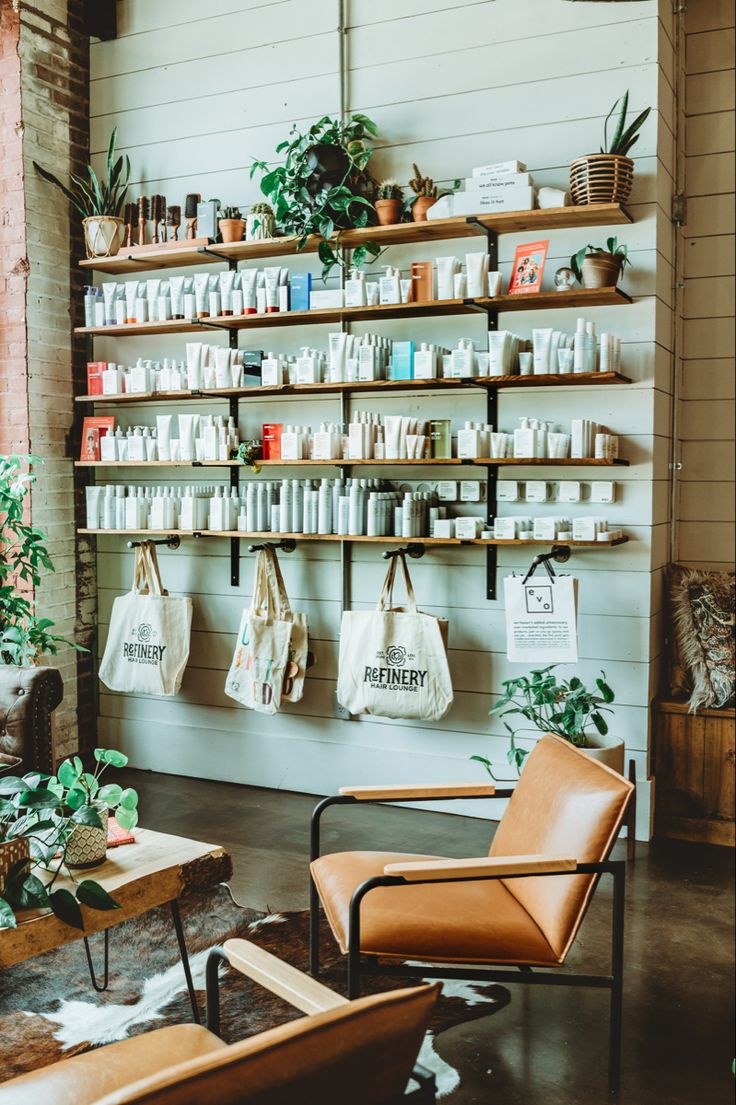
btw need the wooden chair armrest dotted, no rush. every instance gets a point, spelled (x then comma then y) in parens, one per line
(445, 870)
(419, 790)
(299, 989)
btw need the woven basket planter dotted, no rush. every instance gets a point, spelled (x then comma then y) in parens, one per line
(11, 852)
(601, 178)
(103, 235)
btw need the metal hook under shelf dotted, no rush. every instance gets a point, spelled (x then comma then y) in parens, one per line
(416, 552)
(287, 546)
(559, 553)
(172, 542)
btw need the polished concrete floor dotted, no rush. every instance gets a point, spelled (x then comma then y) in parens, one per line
(548, 1046)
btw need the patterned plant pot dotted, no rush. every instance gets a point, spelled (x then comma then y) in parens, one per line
(87, 845)
(259, 225)
(11, 852)
(103, 235)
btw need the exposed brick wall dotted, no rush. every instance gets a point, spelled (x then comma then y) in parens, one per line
(46, 110)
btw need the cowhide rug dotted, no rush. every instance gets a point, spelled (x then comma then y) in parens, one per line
(48, 1009)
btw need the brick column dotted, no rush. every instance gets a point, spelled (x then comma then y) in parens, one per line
(45, 118)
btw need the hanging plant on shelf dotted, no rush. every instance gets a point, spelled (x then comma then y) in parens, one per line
(323, 187)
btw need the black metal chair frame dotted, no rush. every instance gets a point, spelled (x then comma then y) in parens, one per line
(519, 973)
(423, 1093)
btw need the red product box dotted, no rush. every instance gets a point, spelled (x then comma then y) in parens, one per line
(272, 440)
(94, 377)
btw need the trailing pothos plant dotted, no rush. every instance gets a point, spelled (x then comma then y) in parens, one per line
(323, 186)
(45, 810)
(565, 707)
(24, 636)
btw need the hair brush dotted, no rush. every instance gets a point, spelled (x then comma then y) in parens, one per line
(155, 217)
(190, 213)
(142, 219)
(131, 217)
(173, 220)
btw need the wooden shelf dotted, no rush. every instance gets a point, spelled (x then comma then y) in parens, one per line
(541, 301)
(340, 537)
(479, 462)
(434, 230)
(291, 391)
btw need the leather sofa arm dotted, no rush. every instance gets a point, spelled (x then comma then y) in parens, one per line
(300, 990)
(28, 697)
(389, 793)
(447, 870)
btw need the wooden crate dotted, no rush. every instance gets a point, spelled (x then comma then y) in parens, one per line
(693, 761)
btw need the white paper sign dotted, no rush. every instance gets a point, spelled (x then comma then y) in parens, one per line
(541, 620)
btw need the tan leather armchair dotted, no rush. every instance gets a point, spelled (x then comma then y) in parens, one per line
(518, 908)
(363, 1052)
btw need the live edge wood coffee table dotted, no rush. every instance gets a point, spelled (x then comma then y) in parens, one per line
(156, 870)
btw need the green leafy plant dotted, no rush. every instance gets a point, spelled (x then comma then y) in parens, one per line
(96, 198)
(24, 636)
(389, 190)
(230, 213)
(323, 187)
(46, 810)
(250, 453)
(623, 137)
(566, 708)
(612, 246)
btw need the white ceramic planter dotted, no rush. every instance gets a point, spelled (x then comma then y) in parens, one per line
(607, 750)
(87, 845)
(103, 235)
(258, 227)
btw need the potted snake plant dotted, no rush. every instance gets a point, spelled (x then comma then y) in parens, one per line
(100, 202)
(608, 176)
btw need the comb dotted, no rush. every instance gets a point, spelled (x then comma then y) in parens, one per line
(142, 219)
(173, 220)
(190, 213)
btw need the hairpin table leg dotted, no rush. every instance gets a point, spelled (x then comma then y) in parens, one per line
(100, 987)
(185, 960)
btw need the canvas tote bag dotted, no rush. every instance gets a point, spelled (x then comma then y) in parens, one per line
(296, 668)
(261, 657)
(392, 660)
(148, 640)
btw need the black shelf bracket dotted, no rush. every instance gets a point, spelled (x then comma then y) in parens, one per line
(491, 420)
(232, 262)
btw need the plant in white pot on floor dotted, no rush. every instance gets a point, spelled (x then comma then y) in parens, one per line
(53, 825)
(564, 707)
(100, 202)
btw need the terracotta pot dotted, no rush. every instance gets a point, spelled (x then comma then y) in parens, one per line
(231, 230)
(421, 206)
(11, 852)
(601, 178)
(607, 750)
(87, 845)
(601, 270)
(389, 211)
(103, 235)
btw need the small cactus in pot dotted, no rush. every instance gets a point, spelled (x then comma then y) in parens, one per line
(260, 222)
(231, 224)
(389, 202)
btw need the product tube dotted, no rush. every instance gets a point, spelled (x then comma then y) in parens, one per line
(176, 284)
(223, 376)
(273, 273)
(446, 269)
(93, 496)
(108, 293)
(542, 340)
(201, 288)
(214, 301)
(338, 344)
(187, 433)
(163, 435)
(459, 285)
(152, 287)
(119, 306)
(226, 292)
(248, 281)
(476, 265)
(392, 431)
(405, 290)
(194, 365)
(236, 370)
(131, 294)
(496, 348)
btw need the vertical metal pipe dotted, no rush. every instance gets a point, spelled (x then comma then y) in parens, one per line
(617, 971)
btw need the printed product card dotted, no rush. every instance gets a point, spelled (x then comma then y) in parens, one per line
(528, 268)
(541, 620)
(93, 429)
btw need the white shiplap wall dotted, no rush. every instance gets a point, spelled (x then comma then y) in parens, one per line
(451, 85)
(705, 514)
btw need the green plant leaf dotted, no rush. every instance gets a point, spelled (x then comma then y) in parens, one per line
(76, 798)
(68, 773)
(87, 815)
(38, 799)
(7, 916)
(126, 819)
(624, 101)
(129, 799)
(109, 794)
(31, 894)
(600, 723)
(91, 894)
(66, 908)
(110, 756)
